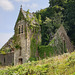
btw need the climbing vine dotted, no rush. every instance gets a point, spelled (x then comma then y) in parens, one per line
(33, 47)
(46, 51)
(20, 17)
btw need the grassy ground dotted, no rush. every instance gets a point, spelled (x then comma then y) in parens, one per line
(59, 65)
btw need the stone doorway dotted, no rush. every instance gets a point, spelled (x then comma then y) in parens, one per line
(20, 61)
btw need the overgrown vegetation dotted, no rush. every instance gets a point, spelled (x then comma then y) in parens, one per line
(46, 51)
(33, 47)
(59, 65)
(60, 12)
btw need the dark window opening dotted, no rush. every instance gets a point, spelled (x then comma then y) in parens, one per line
(19, 29)
(64, 46)
(22, 28)
(4, 59)
(20, 61)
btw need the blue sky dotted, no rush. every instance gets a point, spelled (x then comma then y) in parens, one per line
(9, 10)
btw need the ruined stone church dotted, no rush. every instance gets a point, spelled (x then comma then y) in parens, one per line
(27, 34)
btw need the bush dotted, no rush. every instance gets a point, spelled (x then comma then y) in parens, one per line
(32, 59)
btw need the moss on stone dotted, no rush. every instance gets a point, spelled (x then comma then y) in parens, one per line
(20, 17)
(16, 38)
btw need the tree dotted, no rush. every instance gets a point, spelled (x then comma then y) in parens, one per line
(50, 26)
(47, 31)
(57, 2)
(70, 19)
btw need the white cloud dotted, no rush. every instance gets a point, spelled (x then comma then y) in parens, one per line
(6, 5)
(22, 0)
(4, 37)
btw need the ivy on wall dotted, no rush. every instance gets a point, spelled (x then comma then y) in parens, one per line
(46, 51)
(33, 47)
(16, 38)
(20, 17)
(55, 47)
(61, 45)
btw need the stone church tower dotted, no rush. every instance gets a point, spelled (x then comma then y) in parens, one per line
(24, 34)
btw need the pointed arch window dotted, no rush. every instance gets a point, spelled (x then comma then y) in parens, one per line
(22, 28)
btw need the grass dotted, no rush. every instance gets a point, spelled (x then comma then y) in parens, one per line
(59, 65)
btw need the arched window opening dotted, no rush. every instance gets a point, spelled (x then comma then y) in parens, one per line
(19, 29)
(20, 61)
(22, 28)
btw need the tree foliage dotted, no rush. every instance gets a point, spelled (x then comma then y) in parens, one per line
(70, 19)
(51, 20)
(59, 12)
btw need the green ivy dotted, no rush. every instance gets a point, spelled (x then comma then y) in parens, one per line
(49, 50)
(33, 47)
(17, 46)
(32, 59)
(25, 32)
(20, 17)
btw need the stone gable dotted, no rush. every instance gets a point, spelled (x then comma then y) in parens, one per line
(61, 33)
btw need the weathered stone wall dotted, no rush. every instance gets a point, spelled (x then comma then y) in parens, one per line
(8, 47)
(7, 59)
(24, 52)
(64, 37)
(28, 42)
(21, 53)
(36, 35)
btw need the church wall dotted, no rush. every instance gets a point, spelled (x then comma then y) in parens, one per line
(21, 53)
(25, 42)
(7, 59)
(28, 42)
(35, 41)
(62, 33)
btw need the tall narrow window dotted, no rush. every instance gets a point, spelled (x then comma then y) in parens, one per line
(19, 29)
(22, 28)
(4, 59)
(64, 46)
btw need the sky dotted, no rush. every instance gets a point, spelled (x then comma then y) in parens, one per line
(9, 10)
